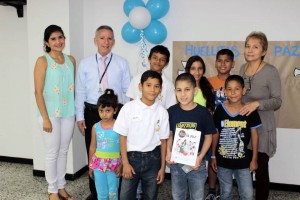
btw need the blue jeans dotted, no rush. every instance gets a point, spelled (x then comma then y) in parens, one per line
(243, 179)
(139, 190)
(107, 185)
(146, 166)
(195, 180)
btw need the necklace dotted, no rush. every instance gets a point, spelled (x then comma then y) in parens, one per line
(251, 77)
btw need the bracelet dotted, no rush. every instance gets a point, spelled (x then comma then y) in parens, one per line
(213, 157)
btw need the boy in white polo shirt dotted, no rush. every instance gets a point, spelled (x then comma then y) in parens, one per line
(143, 125)
(158, 58)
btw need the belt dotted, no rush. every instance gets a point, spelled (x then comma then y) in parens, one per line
(90, 106)
(157, 148)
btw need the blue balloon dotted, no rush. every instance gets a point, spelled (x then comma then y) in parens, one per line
(156, 32)
(130, 34)
(130, 4)
(158, 8)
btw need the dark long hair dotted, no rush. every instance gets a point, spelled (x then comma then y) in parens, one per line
(48, 31)
(205, 86)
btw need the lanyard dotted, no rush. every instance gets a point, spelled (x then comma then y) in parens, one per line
(105, 67)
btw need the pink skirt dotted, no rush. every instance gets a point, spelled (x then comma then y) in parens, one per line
(104, 164)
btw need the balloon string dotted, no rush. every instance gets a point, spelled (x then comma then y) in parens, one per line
(143, 49)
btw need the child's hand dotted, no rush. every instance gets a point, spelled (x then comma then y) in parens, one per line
(91, 173)
(198, 162)
(160, 176)
(168, 158)
(213, 164)
(253, 166)
(128, 171)
(119, 170)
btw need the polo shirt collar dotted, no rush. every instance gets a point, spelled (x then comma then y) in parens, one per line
(144, 106)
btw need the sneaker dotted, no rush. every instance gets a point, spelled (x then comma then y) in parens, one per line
(217, 197)
(210, 197)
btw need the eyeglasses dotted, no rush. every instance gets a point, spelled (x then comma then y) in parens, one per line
(249, 81)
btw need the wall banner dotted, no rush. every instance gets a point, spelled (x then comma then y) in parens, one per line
(284, 55)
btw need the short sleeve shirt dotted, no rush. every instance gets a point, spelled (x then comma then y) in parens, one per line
(234, 137)
(166, 98)
(144, 126)
(219, 90)
(198, 119)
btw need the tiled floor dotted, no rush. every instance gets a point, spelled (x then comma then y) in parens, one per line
(17, 182)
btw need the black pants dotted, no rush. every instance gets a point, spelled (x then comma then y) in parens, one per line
(91, 116)
(262, 183)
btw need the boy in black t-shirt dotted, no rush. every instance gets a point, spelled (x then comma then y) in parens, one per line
(230, 144)
(188, 115)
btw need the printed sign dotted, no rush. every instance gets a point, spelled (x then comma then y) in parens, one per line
(185, 146)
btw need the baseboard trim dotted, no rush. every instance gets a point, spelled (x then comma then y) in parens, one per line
(285, 187)
(16, 160)
(41, 173)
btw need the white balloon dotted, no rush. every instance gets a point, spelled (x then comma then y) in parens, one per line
(139, 17)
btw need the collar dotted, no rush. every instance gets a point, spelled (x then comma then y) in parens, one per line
(163, 76)
(144, 106)
(99, 56)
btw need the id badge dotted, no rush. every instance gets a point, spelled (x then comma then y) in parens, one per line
(100, 90)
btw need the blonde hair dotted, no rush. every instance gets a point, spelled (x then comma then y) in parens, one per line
(259, 36)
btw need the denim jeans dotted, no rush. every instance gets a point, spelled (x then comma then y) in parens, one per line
(139, 190)
(244, 181)
(146, 166)
(195, 180)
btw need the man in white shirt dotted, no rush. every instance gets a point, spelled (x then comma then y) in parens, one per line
(92, 71)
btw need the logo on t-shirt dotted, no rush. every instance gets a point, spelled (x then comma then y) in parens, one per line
(187, 125)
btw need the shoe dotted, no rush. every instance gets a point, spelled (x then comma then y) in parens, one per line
(210, 197)
(91, 197)
(63, 195)
(217, 197)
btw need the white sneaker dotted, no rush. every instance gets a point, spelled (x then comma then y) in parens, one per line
(210, 197)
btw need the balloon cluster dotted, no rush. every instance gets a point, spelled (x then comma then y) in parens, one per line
(143, 21)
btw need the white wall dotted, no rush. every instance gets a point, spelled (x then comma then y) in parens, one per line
(15, 134)
(192, 20)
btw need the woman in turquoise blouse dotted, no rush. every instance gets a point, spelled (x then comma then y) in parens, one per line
(54, 94)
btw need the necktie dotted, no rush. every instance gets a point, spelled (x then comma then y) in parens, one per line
(104, 82)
